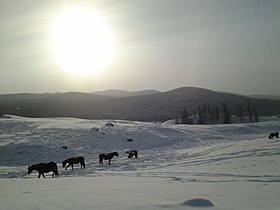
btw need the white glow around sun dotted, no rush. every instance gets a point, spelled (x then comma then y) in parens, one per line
(81, 41)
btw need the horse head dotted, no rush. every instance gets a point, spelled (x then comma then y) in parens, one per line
(63, 163)
(29, 169)
(116, 153)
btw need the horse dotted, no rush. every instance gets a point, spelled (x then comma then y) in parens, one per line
(271, 135)
(44, 168)
(132, 153)
(110, 124)
(74, 160)
(107, 156)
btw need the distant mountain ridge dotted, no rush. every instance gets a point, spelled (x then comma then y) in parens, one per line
(116, 104)
(125, 93)
(274, 97)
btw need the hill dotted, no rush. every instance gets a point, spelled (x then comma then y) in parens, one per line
(159, 106)
(225, 167)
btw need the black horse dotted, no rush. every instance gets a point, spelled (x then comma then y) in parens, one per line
(107, 156)
(74, 160)
(132, 153)
(271, 135)
(44, 168)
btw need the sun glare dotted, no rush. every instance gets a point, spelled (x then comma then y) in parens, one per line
(81, 41)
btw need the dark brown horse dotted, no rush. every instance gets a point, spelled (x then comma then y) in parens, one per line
(107, 156)
(132, 153)
(74, 160)
(44, 168)
(271, 135)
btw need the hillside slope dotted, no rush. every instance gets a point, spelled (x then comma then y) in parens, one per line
(225, 167)
(151, 107)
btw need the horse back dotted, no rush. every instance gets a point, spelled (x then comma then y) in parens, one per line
(108, 155)
(81, 158)
(78, 159)
(51, 166)
(45, 167)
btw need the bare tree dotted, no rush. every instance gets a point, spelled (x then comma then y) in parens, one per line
(200, 115)
(226, 113)
(185, 117)
(249, 111)
(255, 113)
(217, 113)
(210, 113)
(239, 111)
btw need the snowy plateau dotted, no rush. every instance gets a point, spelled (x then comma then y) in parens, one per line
(216, 167)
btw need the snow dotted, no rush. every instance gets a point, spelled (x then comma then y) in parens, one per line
(217, 167)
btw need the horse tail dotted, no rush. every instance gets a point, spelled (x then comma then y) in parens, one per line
(83, 162)
(53, 165)
(56, 170)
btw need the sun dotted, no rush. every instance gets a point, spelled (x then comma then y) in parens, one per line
(81, 41)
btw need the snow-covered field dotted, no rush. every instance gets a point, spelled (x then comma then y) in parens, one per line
(219, 167)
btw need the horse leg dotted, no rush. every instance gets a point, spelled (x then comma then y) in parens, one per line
(55, 173)
(43, 175)
(39, 176)
(72, 166)
(109, 161)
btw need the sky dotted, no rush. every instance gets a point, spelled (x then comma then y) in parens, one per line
(222, 45)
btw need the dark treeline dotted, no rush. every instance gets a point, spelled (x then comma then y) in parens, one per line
(214, 114)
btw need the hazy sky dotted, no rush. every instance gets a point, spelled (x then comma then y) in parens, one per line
(223, 45)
